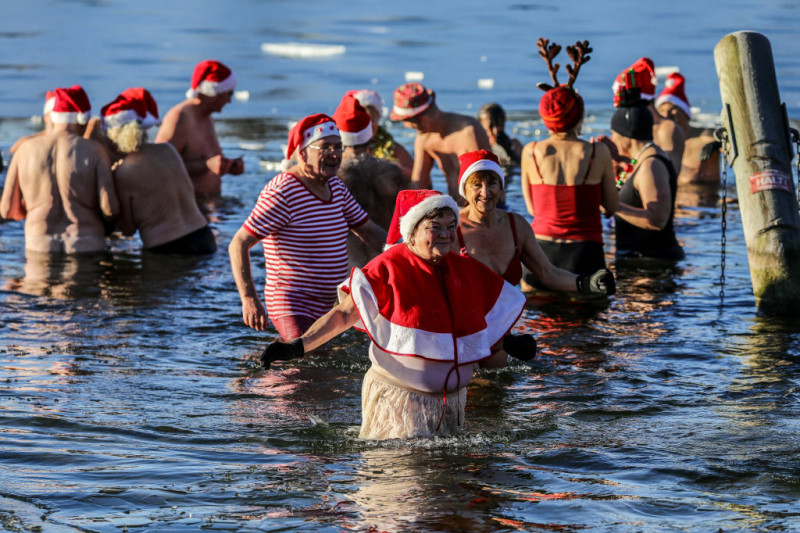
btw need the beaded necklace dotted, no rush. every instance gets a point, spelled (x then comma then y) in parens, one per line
(627, 168)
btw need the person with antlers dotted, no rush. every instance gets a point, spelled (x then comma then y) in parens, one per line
(566, 180)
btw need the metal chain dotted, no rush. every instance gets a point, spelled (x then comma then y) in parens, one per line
(722, 136)
(796, 138)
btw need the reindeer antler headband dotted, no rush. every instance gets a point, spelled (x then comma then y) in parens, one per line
(578, 53)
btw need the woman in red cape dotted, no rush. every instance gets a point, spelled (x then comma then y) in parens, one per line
(433, 317)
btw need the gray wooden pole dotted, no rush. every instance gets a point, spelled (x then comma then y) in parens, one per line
(760, 153)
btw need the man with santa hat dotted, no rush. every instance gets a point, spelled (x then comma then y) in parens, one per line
(700, 162)
(373, 182)
(190, 129)
(433, 317)
(302, 218)
(61, 184)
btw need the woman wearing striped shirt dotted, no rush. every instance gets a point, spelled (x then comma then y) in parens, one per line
(302, 218)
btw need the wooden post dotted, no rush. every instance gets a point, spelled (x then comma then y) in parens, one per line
(760, 153)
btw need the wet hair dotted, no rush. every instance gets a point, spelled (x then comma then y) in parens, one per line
(495, 114)
(128, 138)
(487, 175)
(633, 122)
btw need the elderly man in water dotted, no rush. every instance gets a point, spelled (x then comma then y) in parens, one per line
(190, 129)
(155, 192)
(373, 182)
(302, 219)
(61, 183)
(700, 163)
(441, 136)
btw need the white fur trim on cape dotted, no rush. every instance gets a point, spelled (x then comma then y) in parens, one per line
(360, 137)
(69, 118)
(409, 221)
(671, 98)
(480, 164)
(401, 340)
(213, 88)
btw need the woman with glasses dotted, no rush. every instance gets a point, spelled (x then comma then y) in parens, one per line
(302, 218)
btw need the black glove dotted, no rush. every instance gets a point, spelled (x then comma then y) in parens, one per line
(282, 351)
(601, 282)
(708, 150)
(523, 347)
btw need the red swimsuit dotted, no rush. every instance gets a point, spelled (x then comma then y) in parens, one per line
(570, 212)
(513, 273)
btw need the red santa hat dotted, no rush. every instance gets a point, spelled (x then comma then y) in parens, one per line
(49, 102)
(640, 76)
(310, 129)
(353, 121)
(472, 162)
(133, 104)
(71, 106)
(675, 93)
(410, 100)
(411, 205)
(211, 78)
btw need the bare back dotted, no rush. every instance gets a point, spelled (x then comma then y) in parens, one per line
(693, 170)
(568, 161)
(156, 196)
(460, 134)
(193, 135)
(66, 186)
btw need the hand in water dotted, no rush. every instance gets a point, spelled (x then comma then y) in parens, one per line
(281, 351)
(523, 347)
(601, 282)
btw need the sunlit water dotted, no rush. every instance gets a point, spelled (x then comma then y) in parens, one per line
(129, 393)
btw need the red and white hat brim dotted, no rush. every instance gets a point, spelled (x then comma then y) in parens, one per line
(403, 113)
(59, 117)
(481, 164)
(409, 221)
(49, 105)
(671, 98)
(357, 138)
(213, 88)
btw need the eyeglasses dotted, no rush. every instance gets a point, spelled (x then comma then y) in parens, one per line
(327, 149)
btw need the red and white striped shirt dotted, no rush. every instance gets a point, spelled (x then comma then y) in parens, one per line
(305, 244)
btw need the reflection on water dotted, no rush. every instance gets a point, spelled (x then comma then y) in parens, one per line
(130, 396)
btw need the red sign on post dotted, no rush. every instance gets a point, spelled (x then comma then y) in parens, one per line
(766, 180)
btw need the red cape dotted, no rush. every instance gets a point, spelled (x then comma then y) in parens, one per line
(454, 311)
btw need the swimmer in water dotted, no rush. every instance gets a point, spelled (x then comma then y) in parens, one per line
(383, 145)
(302, 218)
(433, 318)
(441, 136)
(61, 183)
(700, 163)
(155, 191)
(190, 129)
(493, 119)
(373, 182)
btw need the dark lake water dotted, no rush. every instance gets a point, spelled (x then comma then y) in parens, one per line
(129, 395)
